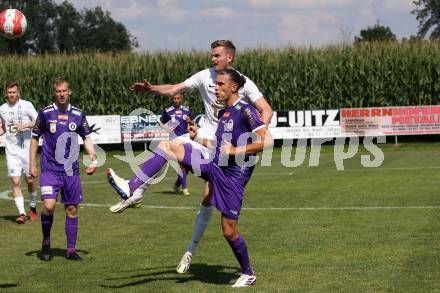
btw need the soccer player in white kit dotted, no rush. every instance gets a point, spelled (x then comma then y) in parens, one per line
(18, 117)
(222, 57)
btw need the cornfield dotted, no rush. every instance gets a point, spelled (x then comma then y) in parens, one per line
(290, 78)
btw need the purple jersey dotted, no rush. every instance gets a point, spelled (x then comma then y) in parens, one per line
(176, 119)
(60, 131)
(235, 125)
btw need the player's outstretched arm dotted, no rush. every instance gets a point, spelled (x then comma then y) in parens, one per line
(90, 150)
(162, 89)
(32, 157)
(264, 109)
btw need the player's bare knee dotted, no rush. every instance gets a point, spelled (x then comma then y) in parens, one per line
(230, 234)
(15, 182)
(48, 208)
(29, 179)
(71, 211)
(230, 231)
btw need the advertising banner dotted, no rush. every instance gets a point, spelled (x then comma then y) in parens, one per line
(305, 124)
(414, 120)
(142, 127)
(106, 129)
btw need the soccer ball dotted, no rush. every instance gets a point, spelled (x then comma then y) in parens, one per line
(13, 23)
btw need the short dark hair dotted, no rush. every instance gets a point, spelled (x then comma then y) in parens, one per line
(59, 80)
(228, 45)
(11, 84)
(236, 77)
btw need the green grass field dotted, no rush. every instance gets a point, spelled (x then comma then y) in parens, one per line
(308, 229)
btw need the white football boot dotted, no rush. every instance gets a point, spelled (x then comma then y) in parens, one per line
(124, 204)
(185, 263)
(245, 281)
(118, 183)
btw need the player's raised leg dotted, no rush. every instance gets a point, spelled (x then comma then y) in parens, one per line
(164, 151)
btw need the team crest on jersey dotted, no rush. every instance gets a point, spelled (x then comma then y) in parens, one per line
(53, 127)
(72, 126)
(185, 117)
(229, 125)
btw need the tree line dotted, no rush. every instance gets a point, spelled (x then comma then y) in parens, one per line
(54, 28)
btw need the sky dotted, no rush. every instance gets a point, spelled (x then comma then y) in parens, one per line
(194, 24)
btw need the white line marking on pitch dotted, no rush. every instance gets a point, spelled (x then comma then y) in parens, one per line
(292, 173)
(4, 195)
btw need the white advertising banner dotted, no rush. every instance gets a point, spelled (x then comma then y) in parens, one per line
(305, 124)
(142, 127)
(106, 129)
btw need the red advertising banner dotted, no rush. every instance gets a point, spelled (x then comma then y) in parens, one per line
(412, 120)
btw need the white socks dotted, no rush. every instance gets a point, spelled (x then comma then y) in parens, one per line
(33, 199)
(138, 194)
(201, 223)
(19, 203)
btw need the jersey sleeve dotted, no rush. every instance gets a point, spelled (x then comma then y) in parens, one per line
(164, 118)
(31, 112)
(195, 81)
(38, 128)
(251, 118)
(84, 129)
(251, 91)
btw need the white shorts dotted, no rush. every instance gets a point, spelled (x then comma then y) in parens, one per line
(206, 153)
(207, 130)
(18, 164)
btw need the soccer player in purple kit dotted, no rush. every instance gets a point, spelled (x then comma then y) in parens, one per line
(228, 173)
(175, 120)
(59, 125)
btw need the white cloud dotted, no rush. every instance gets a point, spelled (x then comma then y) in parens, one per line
(300, 4)
(314, 28)
(194, 23)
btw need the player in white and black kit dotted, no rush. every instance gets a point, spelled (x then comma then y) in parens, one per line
(18, 117)
(222, 57)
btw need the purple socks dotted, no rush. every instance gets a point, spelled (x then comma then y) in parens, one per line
(148, 169)
(71, 233)
(240, 251)
(181, 180)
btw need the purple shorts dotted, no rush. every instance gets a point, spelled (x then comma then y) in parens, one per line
(70, 187)
(227, 189)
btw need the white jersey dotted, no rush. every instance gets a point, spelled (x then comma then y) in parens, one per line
(17, 142)
(204, 81)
